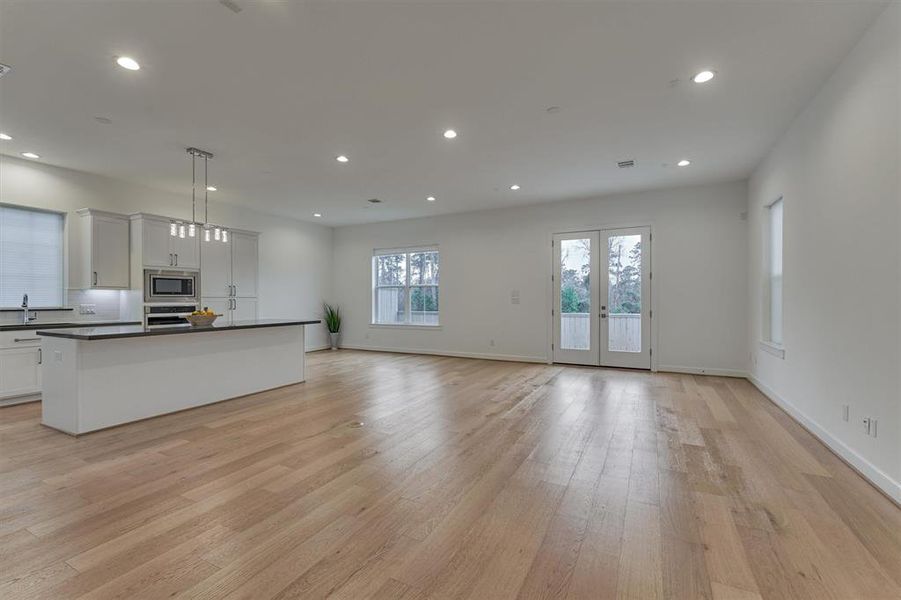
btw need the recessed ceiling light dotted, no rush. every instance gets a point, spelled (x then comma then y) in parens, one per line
(431, 198)
(317, 215)
(683, 163)
(342, 158)
(450, 134)
(30, 155)
(211, 188)
(514, 187)
(126, 62)
(5, 136)
(703, 77)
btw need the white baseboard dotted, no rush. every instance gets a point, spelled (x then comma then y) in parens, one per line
(865, 468)
(702, 371)
(505, 357)
(317, 348)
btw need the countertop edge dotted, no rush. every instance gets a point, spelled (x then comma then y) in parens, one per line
(169, 331)
(31, 326)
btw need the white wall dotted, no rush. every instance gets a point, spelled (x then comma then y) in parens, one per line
(838, 170)
(295, 257)
(699, 264)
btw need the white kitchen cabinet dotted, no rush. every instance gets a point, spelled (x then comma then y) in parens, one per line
(186, 250)
(245, 264)
(160, 249)
(215, 272)
(104, 256)
(155, 243)
(229, 276)
(20, 371)
(244, 309)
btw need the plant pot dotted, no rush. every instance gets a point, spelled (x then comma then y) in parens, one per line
(333, 338)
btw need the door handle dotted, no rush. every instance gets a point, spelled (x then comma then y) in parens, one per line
(603, 316)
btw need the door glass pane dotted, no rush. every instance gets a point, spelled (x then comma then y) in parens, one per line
(624, 293)
(575, 294)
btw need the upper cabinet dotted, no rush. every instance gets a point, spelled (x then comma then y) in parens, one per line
(231, 269)
(104, 252)
(245, 264)
(156, 247)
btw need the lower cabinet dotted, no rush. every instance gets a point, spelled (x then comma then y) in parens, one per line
(232, 309)
(20, 371)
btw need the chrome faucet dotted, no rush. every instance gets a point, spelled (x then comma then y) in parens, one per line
(25, 317)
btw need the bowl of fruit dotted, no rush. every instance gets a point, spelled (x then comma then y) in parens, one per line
(202, 318)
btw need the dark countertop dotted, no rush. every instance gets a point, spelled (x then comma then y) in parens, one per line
(129, 331)
(35, 309)
(33, 325)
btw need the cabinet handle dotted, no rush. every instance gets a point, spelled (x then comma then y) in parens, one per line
(40, 356)
(35, 339)
(95, 277)
(176, 259)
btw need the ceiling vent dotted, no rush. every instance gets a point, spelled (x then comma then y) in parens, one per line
(231, 5)
(625, 164)
(4, 69)
(374, 201)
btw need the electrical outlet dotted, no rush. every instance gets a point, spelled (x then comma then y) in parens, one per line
(87, 309)
(846, 412)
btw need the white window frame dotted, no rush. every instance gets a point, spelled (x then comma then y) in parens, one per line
(61, 283)
(407, 288)
(768, 343)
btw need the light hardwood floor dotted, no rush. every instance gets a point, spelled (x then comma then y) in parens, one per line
(400, 476)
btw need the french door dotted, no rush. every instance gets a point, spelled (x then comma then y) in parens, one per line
(602, 298)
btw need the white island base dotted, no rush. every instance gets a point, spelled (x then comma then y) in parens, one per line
(91, 384)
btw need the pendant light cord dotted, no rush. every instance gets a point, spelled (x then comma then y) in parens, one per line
(193, 188)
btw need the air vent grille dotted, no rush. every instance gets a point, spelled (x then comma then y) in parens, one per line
(374, 201)
(625, 164)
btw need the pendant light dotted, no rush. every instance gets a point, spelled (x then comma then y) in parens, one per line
(179, 229)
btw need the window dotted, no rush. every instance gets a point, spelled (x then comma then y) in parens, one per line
(31, 257)
(773, 325)
(405, 287)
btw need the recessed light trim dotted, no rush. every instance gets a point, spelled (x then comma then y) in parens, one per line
(212, 188)
(5, 136)
(683, 163)
(704, 76)
(514, 187)
(30, 155)
(450, 134)
(317, 215)
(341, 158)
(127, 62)
(431, 198)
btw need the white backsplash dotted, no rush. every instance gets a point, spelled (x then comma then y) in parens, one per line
(87, 305)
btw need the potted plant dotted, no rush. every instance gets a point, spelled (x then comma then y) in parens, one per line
(332, 318)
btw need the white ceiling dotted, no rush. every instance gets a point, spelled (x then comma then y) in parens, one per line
(281, 88)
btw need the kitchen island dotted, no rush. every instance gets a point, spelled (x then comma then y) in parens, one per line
(98, 377)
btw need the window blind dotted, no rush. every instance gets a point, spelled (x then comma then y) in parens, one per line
(31, 257)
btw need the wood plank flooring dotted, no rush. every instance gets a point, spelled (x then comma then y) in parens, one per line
(410, 477)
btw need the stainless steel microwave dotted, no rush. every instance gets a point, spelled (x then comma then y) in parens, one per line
(170, 286)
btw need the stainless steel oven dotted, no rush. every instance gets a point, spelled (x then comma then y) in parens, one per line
(170, 286)
(162, 315)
